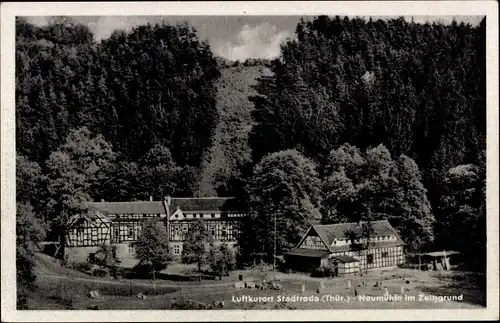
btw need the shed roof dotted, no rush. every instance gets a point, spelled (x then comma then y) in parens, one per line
(346, 259)
(440, 253)
(312, 253)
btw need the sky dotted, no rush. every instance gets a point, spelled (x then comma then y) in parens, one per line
(231, 37)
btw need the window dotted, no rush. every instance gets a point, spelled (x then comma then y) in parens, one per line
(130, 232)
(213, 232)
(80, 234)
(177, 250)
(212, 215)
(177, 215)
(131, 249)
(385, 254)
(369, 258)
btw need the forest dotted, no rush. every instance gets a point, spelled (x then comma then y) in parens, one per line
(355, 120)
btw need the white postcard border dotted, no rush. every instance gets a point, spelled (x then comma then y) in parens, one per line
(351, 8)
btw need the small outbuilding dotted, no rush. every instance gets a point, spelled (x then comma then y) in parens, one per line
(345, 265)
(306, 260)
(438, 260)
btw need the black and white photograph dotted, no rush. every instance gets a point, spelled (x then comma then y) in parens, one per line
(330, 160)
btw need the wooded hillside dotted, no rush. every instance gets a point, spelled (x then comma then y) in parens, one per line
(354, 120)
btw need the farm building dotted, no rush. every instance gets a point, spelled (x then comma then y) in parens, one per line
(119, 224)
(343, 247)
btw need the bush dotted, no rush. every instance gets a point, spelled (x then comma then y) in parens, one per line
(115, 272)
(84, 266)
(142, 271)
(323, 271)
(318, 272)
(100, 272)
(187, 304)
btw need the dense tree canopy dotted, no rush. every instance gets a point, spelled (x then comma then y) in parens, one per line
(416, 88)
(76, 173)
(151, 86)
(144, 113)
(30, 230)
(285, 188)
(461, 215)
(149, 92)
(372, 186)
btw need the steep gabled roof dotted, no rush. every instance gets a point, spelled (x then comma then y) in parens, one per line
(139, 207)
(207, 204)
(91, 218)
(329, 232)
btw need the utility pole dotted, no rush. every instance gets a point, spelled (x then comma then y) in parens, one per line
(274, 254)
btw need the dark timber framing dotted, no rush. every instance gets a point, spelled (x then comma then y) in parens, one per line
(322, 244)
(121, 222)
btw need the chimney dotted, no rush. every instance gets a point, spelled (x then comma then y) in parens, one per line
(151, 198)
(169, 201)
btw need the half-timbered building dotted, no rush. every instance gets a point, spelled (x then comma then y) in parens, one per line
(120, 223)
(342, 245)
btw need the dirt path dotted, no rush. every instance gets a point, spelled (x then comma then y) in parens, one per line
(113, 282)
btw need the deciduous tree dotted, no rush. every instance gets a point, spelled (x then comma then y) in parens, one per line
(152, 247)
(30, 230)
(196, 245)
(284, 188)
(461, 220)
(372, 186)
(221, 260)
(76, 172)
